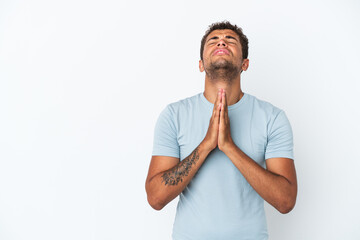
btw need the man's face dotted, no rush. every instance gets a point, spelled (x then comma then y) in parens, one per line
(222, 48)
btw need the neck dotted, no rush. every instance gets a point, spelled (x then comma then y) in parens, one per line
(232, 88)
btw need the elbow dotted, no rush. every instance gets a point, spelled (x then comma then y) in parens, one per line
(155, 203)
(154, 199)
(286, 206)
(286, 209)
(287, 201)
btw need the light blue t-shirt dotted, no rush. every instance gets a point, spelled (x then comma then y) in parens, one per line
(219, 203)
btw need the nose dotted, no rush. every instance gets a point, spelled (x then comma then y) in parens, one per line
(221, 43)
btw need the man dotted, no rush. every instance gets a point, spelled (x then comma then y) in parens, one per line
(223, 169)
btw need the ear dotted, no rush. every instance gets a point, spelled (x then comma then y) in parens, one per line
(245, 64)
(201, 66)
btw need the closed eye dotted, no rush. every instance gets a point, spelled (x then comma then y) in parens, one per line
(232, 40)
(231, 37)
(213, 38)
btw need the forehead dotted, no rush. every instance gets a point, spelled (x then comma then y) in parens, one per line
(223, 32)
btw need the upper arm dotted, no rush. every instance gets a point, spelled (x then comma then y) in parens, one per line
(284, 167)
(280, 138)
(279, 150)
(165, 135)
(160, 164)
(166, 149)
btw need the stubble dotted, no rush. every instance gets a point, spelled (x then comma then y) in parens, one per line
(223, 70)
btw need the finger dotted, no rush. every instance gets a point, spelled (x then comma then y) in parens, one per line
(218, 97)
(217, 101)
(224, 99)
(217, 113)
(222, 112)
(218, 109)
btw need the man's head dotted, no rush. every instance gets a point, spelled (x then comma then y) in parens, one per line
(226, 25)
(224, 51)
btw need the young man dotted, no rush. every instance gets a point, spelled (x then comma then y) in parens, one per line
(223, 169)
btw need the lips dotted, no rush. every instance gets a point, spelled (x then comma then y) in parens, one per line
(221, 51)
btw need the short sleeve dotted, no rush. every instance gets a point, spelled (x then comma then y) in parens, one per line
(165, 135)
(280, 138)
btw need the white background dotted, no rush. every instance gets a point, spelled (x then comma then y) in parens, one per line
(83, 82)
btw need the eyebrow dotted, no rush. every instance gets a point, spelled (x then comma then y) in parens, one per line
(227, 36)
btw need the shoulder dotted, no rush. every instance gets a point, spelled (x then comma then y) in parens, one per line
(263, 107)
(183, 105)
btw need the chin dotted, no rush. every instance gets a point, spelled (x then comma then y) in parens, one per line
(221, 63)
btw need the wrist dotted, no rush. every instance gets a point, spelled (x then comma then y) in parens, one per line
(230, 146)
(206, 147)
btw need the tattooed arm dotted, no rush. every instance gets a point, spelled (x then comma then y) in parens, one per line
(168, 176)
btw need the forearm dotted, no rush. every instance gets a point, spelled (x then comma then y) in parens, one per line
(166, 185)
(275, 189)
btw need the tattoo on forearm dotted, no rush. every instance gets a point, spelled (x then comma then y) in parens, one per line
(177, 173)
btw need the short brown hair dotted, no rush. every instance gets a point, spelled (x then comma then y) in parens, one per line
(227, 25)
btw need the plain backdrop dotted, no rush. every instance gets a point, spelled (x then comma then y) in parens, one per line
(82, 84)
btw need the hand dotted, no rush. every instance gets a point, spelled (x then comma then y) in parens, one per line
(211, 138)
(224, 137)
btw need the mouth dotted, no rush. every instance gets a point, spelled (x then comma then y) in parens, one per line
(221, 51)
